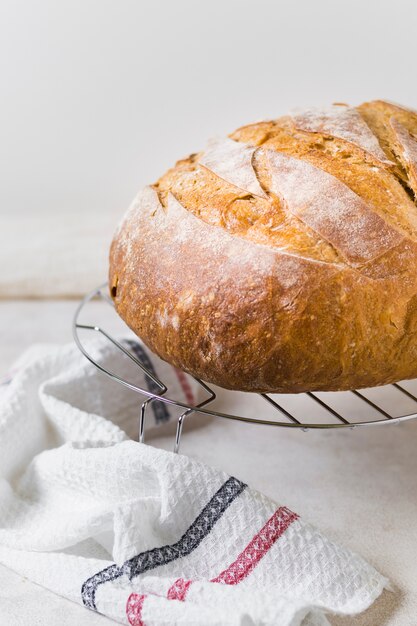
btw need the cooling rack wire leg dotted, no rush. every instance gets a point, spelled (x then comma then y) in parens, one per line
(180, 423)
(142, 416)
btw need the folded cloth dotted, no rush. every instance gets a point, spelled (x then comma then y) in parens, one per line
(145, 536)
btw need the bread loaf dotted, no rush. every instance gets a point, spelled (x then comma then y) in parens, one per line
(282, 258)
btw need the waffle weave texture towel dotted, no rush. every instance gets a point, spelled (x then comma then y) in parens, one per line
(142, 535)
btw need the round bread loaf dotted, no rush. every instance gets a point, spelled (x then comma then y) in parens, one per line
(282, 258)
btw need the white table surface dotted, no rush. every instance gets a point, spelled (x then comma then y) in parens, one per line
(359, 487)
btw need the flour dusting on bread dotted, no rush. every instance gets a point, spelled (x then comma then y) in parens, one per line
(343, 122)
(232, 161)
(328, 206)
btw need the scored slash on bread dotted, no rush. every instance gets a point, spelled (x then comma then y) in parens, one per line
(234, 163)
(330, 208)
(344, 122)
(281, 259)
(320, 200)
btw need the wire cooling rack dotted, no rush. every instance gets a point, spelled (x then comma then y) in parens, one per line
(351, 409)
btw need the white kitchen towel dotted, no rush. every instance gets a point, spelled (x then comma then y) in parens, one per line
(145, 536)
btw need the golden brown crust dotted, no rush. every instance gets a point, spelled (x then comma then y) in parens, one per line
(405, 148)
(282, 259)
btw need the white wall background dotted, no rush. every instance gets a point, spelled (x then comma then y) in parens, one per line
(100, 96)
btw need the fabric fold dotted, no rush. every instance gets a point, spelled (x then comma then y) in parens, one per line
(145, 536)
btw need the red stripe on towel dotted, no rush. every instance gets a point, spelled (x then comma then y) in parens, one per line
(186, 387)
(257, 548)
(179, 589)
(248, 559)
(134, 606)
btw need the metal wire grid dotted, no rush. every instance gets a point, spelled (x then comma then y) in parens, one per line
(291, 421)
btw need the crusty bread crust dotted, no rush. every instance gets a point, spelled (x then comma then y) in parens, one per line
(282, 259)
